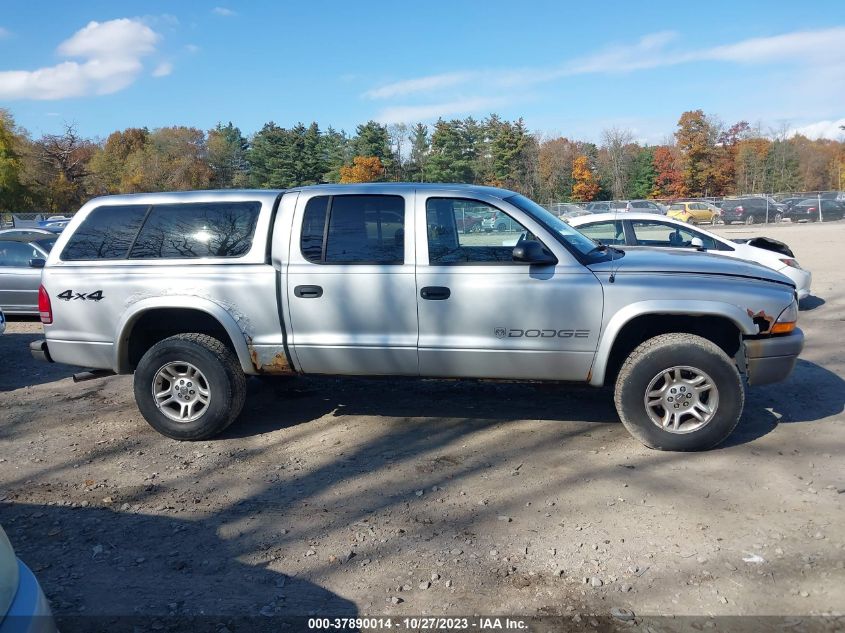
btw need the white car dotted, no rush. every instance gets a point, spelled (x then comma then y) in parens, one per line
(632, 229)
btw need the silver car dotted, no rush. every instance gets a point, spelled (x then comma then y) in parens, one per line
(21, 259)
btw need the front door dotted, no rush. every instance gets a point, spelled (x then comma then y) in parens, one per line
(351, 286)
(483, 315)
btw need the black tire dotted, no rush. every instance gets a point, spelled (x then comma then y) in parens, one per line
(221, 370)
(501, 228)
(655, 356)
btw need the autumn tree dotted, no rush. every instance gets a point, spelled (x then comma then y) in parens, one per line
(116, 166)
(695, 139)
(60, 169)
(618, 145)
(363, 169)
(585, 186)
(14, 195)
(668, 175)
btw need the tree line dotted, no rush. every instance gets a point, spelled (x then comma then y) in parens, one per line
(703, 157)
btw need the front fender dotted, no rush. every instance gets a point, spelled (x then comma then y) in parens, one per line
(611, 330)
(219, 312)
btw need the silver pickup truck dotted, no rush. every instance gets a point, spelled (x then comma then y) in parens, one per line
(194, 291)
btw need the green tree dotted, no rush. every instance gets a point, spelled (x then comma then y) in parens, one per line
(420, 147)
(372, 139)
(227, 156)
(452, 156)
(337, 153)
(641, 176)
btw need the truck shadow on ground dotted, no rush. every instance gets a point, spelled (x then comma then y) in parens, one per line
(21, 369)
(810, 394)
(114, 564)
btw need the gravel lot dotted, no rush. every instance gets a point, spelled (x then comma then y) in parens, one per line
(377, 497)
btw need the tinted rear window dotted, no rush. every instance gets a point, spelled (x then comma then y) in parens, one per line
(107, 233)
(214, 229)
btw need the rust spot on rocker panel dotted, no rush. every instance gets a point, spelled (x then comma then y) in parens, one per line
(268, 364)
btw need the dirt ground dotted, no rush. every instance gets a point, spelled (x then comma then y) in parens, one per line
(395, 497)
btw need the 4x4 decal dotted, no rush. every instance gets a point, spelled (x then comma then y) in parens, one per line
(67, 295)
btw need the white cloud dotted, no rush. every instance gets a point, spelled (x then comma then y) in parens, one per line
(426, 112)
(420, 84)
(192, 48)
(223, 11)
(163, 69)
(821, 129)
(817, 57)
(111, 52)
(4, 33)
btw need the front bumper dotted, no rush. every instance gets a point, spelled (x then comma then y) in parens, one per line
(30, 611)
(772, 359)
(39, 351)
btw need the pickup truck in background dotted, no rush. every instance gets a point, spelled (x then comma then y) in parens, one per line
(194, 291)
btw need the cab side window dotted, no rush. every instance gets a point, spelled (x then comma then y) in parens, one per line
(107, 233)
(464, 231)
(354, 229)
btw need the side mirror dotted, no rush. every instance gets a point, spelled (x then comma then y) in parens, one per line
(532, 252)
(37, 263)
(697, 243)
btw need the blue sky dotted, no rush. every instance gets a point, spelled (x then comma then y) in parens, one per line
(571, 68)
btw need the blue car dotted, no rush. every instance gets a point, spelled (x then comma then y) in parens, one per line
(23, 606)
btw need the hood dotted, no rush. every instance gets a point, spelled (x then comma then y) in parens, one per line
(663, 260)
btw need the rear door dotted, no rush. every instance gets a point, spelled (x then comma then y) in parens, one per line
(351, 285)
(18, 280)
(483, 315)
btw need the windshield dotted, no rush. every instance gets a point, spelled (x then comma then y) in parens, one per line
(577, 241)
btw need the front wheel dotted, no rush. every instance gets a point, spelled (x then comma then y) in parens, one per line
(189, 387)
(679, 392)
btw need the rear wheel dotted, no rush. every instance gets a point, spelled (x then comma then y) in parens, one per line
(189, 387)
(679, 392)
(750, 219)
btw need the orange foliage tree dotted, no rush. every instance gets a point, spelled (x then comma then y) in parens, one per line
(669, 177)
(584, 186)
(363, 169)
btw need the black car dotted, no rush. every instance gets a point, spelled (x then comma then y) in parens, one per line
(809, 210)
(750, 210)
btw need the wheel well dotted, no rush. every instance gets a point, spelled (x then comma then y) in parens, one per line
(160, 323)
(720, 330)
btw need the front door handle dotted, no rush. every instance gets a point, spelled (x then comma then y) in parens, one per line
(435, 293)
(308, 292)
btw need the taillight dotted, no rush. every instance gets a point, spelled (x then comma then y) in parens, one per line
(811, 209)
(44, 307)
(739, 209)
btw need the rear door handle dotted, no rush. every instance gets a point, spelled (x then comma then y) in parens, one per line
(308, 292)
(435, 293)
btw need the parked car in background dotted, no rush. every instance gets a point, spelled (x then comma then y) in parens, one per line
(788, 203)
(749, 210)
(832, 195)
(694, 212)
(641, 229)
(55, 223)
(808, 211)
(23, 605)
(646, 206)
(26, 233)
(568, 210)
(21, 261)
(607, 205)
